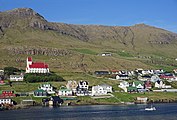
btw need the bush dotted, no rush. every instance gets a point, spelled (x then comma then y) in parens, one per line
(10, 70)
(37, 77)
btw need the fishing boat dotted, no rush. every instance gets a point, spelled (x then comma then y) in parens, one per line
(150, 108)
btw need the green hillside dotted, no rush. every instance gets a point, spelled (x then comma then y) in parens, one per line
(75, 48)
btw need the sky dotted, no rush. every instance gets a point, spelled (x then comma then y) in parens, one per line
(158, 13)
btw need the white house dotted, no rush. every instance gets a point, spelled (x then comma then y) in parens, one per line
(106, 54)
(47, 87)
(36, 67)
(107, 87)
(16, 77)
(98, 90)
(65, 92)
(155, 78)
(1, 72)
(145, 72)
(83, 85)
(82, 89)
(175, 71)
(122, 77)
(101, 89)
(6, 101)
(123, 84)
(160, 84)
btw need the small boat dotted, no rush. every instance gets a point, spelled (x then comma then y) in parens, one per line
(150, 108)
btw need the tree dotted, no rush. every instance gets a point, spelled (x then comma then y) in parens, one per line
(10, 70)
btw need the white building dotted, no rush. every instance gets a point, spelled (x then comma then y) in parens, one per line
(36, 67)
(65, 92)
(16, 77)
(47, 87)
(122, 77)
(107, 87)
(83, 85)
(6, 101)
(101, 89)
(124, 85)
(160, 84)
(1, 72)
(155, 78)
(106, 54)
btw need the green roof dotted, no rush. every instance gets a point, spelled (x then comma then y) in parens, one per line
(138, 82)
(65, 89)
(39, 90)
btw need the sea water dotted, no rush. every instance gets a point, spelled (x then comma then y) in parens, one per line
(166, 111)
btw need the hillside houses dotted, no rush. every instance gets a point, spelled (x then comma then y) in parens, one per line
(137, 81)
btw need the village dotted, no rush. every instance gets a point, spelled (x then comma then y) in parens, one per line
(142, 84)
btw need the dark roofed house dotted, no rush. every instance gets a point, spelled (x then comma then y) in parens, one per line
(167, 76)
(83, 85)
(56, 100)
(144, 77)
(101, 73)
(40, 93)
(82, 89)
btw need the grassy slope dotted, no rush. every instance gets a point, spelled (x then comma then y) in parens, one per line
(49, 39)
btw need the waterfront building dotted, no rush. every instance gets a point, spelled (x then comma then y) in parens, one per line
(6, 101)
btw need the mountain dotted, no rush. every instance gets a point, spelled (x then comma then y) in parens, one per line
(24, 32)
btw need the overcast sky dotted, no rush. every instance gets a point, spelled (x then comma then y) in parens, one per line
(159, 13)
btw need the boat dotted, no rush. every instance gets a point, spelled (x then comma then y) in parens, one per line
(150, 108)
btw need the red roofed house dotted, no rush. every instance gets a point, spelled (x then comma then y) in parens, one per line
(36, 67)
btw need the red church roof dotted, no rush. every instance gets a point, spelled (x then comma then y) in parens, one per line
(29, 58)
(38, 65)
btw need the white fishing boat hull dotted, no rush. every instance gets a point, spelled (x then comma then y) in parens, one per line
(150, 109)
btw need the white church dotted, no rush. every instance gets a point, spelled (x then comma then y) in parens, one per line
(36, 67)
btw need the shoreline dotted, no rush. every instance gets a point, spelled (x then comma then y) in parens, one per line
(17, 107)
